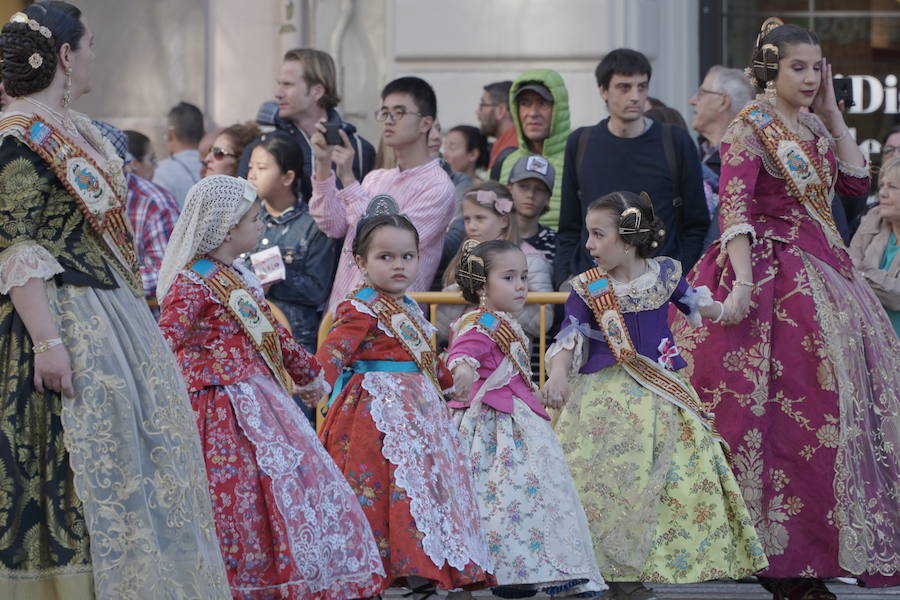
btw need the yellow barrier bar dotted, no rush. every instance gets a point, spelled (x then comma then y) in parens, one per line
(436, 298)
(542, 298)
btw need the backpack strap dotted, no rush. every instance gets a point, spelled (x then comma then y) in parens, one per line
(675, 173)
(580, 151)
(498, 164)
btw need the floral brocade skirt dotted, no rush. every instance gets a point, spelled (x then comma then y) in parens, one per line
(392, 437)
(103, 494)
(534, 523)
(661, 501)
(806, 390)
(289, 526)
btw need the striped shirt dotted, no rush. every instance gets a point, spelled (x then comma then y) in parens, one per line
(425, 194)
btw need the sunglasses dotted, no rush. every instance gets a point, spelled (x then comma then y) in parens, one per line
(220, 153)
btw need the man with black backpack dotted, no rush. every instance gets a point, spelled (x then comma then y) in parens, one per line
(628, 151)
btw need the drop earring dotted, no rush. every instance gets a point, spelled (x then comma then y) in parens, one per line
(482, 301)
(67, 94)
(770, 93)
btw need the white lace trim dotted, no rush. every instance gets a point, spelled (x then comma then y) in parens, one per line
(23, 261)
(468, 360)
(640, 283)
(316, 383)
(430, 467)
(852, 170)
(569, 339)
(736, 230)
(329, 537)
(414, 314)
(696, 298)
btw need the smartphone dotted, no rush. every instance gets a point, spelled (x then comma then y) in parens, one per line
(332, 137)
(843, 90)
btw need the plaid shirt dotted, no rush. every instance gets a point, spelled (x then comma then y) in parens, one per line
(153, 213)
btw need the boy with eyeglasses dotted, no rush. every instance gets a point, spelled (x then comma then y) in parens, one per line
(420, 186)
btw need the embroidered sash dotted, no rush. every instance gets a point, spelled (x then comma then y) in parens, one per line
(97, 198)
(502, 332)
(807, 180)
(595, 288)
(395, 318)
(232, 292)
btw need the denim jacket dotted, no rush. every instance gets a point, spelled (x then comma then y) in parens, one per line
(309, 260)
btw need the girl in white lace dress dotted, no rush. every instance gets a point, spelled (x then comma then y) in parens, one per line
(537, 531)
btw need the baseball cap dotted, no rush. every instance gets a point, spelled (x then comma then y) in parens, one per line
(533, 166)
(538, 88)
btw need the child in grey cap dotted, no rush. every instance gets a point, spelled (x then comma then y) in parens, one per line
(531, 182)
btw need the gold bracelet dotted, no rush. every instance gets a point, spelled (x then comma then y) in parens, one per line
(748, 284)
(41, 347)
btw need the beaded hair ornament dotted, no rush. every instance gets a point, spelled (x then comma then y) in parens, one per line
(491, 199)
(637, 228)
(467, 263)
(765, 57)
(381, 205)
(35, 60)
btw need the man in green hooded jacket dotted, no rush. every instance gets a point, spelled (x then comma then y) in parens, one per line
(539, 106)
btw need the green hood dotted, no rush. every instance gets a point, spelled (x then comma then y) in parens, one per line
(554, 145)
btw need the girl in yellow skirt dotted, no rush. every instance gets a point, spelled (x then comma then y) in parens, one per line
(651, 471)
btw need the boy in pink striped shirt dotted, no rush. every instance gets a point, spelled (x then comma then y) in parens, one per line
(418, 183)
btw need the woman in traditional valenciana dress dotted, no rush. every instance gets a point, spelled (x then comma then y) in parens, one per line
(803, 373)
(102, 489)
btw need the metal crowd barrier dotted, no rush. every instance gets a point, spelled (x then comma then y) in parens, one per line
(433, 299)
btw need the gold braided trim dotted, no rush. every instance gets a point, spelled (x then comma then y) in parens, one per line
(502, 332)
(255, 320)
(794, 163)
(595, 288)
(395, 318)
(68, 162)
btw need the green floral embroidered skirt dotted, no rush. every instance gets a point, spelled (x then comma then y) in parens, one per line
(661, 501)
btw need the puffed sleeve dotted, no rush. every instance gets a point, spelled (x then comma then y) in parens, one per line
(577, 328)
(181, 312)
(25, 238)
(303, 366)
(470, 348)
(741, 164)
(348, 332)
(689, 300)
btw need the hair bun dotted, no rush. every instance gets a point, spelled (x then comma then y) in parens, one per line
(764, 64)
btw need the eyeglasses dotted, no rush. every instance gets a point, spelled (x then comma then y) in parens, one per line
(889, 149)
(395, 114)
(220, 153)
(701, 91)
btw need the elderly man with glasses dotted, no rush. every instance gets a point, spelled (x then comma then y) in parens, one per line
(419, 184)
(718, 100)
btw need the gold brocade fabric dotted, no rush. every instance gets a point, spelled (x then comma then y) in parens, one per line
(35, 208)
(661, 502)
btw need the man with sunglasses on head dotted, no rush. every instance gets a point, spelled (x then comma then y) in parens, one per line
(181, 169)
(420, 186)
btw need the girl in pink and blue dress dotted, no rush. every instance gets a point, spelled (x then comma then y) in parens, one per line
(536, 529)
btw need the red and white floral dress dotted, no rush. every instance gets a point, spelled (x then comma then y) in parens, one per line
(288, 524)
(391, 434)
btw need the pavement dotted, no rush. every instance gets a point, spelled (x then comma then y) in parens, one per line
(719, 591)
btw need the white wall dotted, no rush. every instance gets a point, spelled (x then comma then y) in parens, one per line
(223, 55)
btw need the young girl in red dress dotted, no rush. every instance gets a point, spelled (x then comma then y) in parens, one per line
(387, 426)
(288, 524)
